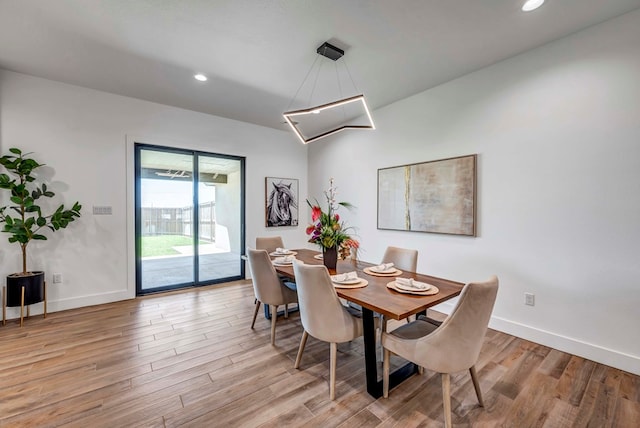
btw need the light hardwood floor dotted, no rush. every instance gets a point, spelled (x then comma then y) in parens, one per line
(190, 359)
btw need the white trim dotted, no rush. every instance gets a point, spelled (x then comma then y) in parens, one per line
(620, 360)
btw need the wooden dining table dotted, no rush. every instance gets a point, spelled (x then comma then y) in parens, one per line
(377, 297)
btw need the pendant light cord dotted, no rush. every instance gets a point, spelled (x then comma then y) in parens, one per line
(302, 84)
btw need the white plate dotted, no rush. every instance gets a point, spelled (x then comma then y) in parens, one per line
(318, 257)
(288, 253)
(361, 283)
(431, 291)
(346, 282)
(282, 263)
(390, 272)
(374, 269)
(409, 288)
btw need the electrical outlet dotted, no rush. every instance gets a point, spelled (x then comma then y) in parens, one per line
(529, 299)
(57, 278)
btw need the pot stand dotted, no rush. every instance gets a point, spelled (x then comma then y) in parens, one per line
(22, 304)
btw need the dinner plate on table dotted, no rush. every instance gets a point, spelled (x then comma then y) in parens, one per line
(287, 253)
(334, 278)
(318, 257)
(351, 283)
(280, 261)
(389, 272)
(428, 292)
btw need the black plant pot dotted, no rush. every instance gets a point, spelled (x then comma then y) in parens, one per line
(33, 284)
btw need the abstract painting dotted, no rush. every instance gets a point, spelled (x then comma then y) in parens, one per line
(281, 196)
(436, 196)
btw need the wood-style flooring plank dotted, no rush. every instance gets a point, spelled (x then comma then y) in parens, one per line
(190, 358)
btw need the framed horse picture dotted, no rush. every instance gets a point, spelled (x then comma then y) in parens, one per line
(281, 196)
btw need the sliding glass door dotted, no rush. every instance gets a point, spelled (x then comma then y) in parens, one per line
(189, 218)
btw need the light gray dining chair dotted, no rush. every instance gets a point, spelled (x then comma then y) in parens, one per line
(402, 258)
(268, 287)
(269, 243)
(322, 315)
(450, 347)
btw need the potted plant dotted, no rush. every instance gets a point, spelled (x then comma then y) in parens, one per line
(328, 231)
(23, 220)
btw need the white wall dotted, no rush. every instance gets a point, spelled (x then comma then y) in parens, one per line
(557, 133)
(86, 137)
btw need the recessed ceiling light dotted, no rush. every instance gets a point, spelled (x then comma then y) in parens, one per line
(200, 77)
(530, 5)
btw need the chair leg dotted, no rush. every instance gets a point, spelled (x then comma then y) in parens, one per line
(446, 399)
(303, 343)
(332, 370)
(255, 313)
(476, 385)
(274, 316)
(385, 372)
(383, 329)
(286, 310)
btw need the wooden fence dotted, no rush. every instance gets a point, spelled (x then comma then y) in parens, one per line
(179, 221)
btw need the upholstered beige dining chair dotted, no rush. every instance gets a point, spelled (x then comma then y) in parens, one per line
(322, 315)
(450, 347)
(269, 243)
(402, 258)
(268, 287)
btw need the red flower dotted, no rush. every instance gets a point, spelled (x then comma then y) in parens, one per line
(310, 229)
(316, 212)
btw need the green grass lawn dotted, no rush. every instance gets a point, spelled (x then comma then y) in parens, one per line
(162, 245)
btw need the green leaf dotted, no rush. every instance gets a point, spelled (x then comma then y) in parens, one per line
(41, 221)
(38, 237)
(15, 151)
(16, 200)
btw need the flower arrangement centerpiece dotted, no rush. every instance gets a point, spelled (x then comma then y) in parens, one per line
(328, 231)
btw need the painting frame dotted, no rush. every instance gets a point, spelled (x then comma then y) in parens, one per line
(286, 213)
(438, 196)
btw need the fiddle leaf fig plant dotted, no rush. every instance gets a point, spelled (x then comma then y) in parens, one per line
(23, 219)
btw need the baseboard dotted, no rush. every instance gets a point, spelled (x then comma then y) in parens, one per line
(609, 357)
(72, 303)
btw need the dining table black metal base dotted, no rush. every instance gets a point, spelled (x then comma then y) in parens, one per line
(374, 386)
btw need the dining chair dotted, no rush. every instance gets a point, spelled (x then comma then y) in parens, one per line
(268, 287)
(269, 243)
(452, 346)
(402, 258)
(322, 315)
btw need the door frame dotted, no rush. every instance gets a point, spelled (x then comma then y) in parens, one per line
(134, 259)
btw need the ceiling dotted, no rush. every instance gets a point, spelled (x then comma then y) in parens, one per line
(257, 53)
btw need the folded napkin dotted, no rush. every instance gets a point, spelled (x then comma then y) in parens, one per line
(281, 250)
(411, 284)
(285, 259)
(383, 267)
(346, 276)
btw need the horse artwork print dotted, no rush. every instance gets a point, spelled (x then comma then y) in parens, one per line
(282, 201)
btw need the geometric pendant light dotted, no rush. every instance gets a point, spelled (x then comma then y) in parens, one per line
(315, 122)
